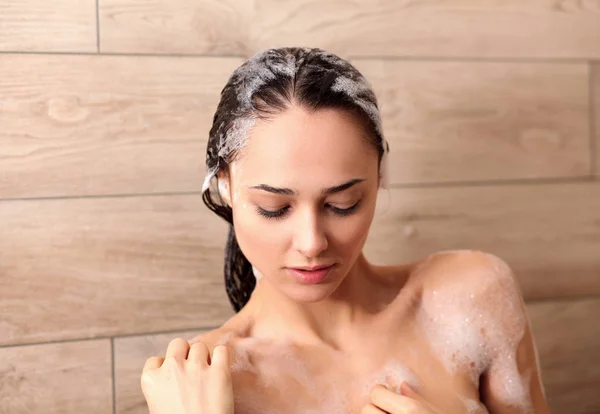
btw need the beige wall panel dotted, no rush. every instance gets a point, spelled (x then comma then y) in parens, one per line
(83, 268)
(511, 28)
(48, 26)
(96, 125)
(161, 257)
(58, 378)
(548, 233)
(470, 121)
(567, 336)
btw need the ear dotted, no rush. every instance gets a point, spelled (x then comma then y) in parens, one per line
(224, 187)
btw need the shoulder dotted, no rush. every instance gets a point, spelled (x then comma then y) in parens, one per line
(226, 334)
(470, 280)
(471, 273)
(471, 300)
(210, 338)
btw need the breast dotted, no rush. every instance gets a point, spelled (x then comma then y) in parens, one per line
(271, 379)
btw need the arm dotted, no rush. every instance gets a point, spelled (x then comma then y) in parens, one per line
(497, 393)
(511, 384)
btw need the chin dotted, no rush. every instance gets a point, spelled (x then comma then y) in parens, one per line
(310, 293)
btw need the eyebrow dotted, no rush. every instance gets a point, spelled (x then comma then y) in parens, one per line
(289, 191)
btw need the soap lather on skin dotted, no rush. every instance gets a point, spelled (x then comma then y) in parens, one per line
(475, 323)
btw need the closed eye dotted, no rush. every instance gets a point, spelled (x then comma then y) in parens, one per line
(279, 214)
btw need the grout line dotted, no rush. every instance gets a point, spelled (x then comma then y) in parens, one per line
(565, 299)
(98, 26)
(578, 60)
(125, 335)
(103, 196)
(593, 126)
(449, 184)
(114, 386)
(498, 182)
(165, 55)
(574, 60)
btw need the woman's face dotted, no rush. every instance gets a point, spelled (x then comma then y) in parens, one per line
(302, 154)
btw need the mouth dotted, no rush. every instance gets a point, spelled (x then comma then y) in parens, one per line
(316, 274)
(311, 268)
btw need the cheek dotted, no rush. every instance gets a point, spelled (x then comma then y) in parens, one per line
(259, 241)
(349, 238)
(351, 233)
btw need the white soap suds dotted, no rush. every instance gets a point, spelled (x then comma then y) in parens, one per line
(267, 66)
(235, 177)
(256, 272)
(353, 89)
(478, 327)
(319, 392)
(392, 375)
(235, 141)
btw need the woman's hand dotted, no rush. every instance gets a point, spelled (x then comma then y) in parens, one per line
(186, 381)
(384, 400)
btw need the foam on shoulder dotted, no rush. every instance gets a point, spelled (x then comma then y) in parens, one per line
(476, 327)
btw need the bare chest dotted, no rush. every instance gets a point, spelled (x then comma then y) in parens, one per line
(279, 380)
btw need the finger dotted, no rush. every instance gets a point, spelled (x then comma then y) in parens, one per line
(220, 371)
(178, 348)
(199, 354)
(147, 378)
(221, 356)
(406, 389)
(371, 409)
(410, 392)
(153, 362)
(392, 402)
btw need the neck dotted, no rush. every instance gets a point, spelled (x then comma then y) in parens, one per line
(332, 321)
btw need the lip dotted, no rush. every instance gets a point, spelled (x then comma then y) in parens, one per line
(311, 268)
(310, 276)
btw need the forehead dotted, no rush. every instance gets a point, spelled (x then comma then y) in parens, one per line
(301, 143)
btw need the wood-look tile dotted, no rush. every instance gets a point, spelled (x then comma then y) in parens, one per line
(130, 259)
(548, 233)
(567, 335)
(48, 26)
(384, 28)
(86, 268)
(482, 121)
(96, 125)
(57, 378)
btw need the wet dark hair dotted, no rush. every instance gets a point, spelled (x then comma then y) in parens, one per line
(265, 85)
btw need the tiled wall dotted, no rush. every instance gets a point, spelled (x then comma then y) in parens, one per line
(492, 110)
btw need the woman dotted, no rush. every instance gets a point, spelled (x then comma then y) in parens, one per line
(295, 159)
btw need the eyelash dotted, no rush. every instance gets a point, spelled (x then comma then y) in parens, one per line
(279, 214)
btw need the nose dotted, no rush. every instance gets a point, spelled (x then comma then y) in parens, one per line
(309, 237)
